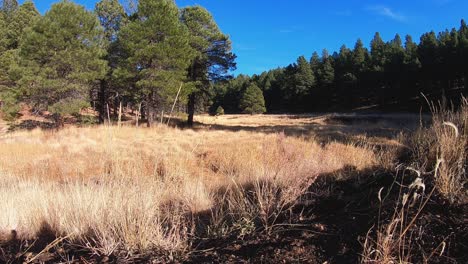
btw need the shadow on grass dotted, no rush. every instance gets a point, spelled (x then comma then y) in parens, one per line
(326, 223)
(344, 128)
(329, 223)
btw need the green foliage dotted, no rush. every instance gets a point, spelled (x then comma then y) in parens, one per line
(9, 106)
(389, 76)
(212, 58)
(61, 58)
(326, 73)
(377, 53)
(219, 111)
(252, 101)
(68, 106)
(157, 51)
(304, 77)
(9, 6)
(112, 16)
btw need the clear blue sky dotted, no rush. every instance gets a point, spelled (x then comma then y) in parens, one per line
(267, 34)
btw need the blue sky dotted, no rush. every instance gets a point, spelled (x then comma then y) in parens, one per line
(267, 34)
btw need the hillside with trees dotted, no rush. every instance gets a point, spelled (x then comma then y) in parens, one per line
(392, 76)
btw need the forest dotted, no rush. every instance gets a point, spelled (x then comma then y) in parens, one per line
(390, 76)
(155, 56)
(147, 55)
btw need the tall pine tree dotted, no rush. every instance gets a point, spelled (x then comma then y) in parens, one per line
(212, 58)
(159, 53)
(112, 17)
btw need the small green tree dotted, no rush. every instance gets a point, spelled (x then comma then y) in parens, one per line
(252, 101)
(219, 111)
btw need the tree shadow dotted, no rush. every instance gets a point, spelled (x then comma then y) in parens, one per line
(330, 221)
(344, 128)
(31, 125)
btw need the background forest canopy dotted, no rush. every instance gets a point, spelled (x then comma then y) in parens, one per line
(145, 54)
(391, 76)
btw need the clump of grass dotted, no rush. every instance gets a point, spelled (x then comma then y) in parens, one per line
(392, 239)
(440, 158)
(446, 140)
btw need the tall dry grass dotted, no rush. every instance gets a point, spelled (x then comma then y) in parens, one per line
(440, 154)
(139, 190)
(445, 143)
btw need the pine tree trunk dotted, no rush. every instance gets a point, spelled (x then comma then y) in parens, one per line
(115, 108)
(102, 101)
(59, 123)
(119, 122)
(191, 109)
(150, 110)
(465, 88)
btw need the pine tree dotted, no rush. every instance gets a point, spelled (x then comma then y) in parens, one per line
(344, 66)
(304, 77)
(61, 59)
(410, 69)
(428, 50)
(326, 71)
(315, 62)
(377, 53)
(252, 101)
(463, 52)
(359, 57)
(13, 21)
(411, 59)
(112, 17)
(212, 58)
(8, 7)
(159, 53)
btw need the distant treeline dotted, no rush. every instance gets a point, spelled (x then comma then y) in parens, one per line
(391, 76)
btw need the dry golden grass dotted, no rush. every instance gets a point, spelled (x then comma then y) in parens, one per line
(444, 147)
(110, 188)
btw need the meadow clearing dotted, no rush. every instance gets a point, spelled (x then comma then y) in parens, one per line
(235, 188)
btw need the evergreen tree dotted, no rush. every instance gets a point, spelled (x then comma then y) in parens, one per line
(159, 53)
(359, 57)
(326, 72)
(411, 60)
(304, 77)
(61, 59)
(344, 66)
(315, 62)
(377, 53)
(463, 52)
(252, 101)
(428, 50)
(112, 17)
(12, 25)
(410, 69)
(8, 7)
(212, 58)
